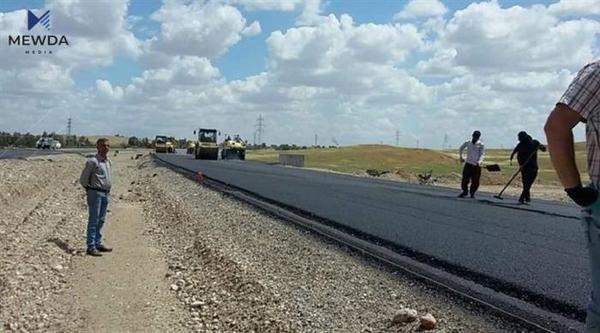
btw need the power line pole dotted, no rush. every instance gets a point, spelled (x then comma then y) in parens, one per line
(260, 128)
(316, 139)
(397, 138)
(68, 136)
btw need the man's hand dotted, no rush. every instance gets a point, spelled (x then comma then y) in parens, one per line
(583, 196)
(462, 160)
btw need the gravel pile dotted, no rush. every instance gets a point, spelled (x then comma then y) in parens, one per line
(239, 270)
(41, 223)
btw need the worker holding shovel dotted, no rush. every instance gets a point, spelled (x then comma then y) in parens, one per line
(526, 151)
(472, 168)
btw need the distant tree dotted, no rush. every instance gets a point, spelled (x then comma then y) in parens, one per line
(134, 141)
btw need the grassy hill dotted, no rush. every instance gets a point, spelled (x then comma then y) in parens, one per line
(408, 162)
(115, 141)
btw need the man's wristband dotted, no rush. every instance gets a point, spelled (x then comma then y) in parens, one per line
(583, 196)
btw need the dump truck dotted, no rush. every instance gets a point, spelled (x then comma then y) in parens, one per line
(164, 144)
(206, 147)
(234, 148)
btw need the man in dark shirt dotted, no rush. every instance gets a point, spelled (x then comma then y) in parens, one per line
(526, 151)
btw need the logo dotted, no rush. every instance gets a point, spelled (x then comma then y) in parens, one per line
(32, 20)
(35, 43)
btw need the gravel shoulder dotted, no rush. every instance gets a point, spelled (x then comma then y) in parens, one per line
(247, 271)
(188, 259)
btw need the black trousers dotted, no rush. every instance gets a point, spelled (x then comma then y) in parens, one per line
(471, 174)
(528, 175)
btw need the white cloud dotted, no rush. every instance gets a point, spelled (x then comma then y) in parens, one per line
(575, 7)
(279, 5)
(311, 13)
(252, 30)
(198, 28)
(489, 38)
(421, 8)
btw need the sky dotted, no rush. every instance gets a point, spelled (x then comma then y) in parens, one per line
(424, 72)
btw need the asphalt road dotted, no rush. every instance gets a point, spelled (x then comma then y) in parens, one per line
(26, 152)
(535, 252)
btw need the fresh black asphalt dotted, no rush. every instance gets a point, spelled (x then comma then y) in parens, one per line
(19, 153)
(536, 252)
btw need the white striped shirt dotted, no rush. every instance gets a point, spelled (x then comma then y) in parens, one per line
(475, 152)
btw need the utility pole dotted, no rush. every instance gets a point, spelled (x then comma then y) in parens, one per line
(397, 138)
(260, 128)
(65, 141)
(254, 141)
(316, 139)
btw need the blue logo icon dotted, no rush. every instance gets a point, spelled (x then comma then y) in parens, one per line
(32, 20)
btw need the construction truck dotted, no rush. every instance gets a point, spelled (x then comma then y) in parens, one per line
(233, 148)
(206, 147)
(163, 144)
(171, 145)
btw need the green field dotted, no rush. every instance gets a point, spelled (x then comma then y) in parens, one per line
(407, 161)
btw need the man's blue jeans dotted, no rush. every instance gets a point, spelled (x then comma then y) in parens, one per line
(97, 203)
(591, 224)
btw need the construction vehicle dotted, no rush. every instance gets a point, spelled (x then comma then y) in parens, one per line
(206, 147)
(233, 148)
(191, 146)
(171, 145)
(162, 144)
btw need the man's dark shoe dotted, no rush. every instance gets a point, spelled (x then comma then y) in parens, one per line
(103, 248)
(93, 253)
(462, 195)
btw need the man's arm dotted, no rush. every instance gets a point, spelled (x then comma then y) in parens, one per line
(538, 145)
(512, 155)
(460, 151)
(84, 179)
(559, 133)
(481, 155)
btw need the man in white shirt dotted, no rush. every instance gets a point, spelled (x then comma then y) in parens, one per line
(472, 168)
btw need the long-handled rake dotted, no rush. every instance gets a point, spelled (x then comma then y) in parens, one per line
(499, 195)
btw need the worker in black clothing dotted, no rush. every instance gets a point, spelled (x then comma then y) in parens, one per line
(526, 151)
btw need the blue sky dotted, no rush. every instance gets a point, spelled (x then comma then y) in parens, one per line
(498, 66)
